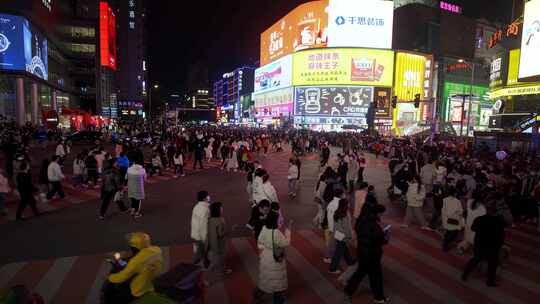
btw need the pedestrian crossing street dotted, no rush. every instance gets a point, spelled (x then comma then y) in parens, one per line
(76, 196)
(415, 271)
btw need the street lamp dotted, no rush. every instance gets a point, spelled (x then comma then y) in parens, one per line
(155, 86)
(472, 67)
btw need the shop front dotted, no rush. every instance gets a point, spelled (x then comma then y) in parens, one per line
(464, 110)
(274, 108)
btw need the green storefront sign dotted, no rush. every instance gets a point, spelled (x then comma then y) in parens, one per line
(452, 88)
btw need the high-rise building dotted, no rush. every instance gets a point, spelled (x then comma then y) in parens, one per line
(52, 60)
(229, 90)
(133, 87)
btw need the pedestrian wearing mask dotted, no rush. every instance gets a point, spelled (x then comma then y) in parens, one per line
(475, 209)
(26, 191)
(258, 217)
(55, 176)
(111, 185)
(333, 205)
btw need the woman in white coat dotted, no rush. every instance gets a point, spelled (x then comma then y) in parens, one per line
(475, 209)
(272, 263)
(415, 203)
(263, 188)
(232, 162)
(452, 219)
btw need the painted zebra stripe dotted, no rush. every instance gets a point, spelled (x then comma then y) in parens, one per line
(94, 293)
(51, 282)
(249, 260)
(8, 271)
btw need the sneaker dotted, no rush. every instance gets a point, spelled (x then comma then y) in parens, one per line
(404, 226)
(227, 271)
(327, 260)
(383, 301)
(101, 217)
(137, 215)
(335, 271)
(427, 228)
(182, 175)
(347, 299)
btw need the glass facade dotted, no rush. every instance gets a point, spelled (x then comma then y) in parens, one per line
(8, 96)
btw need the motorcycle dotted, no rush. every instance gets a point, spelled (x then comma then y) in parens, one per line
(182, 284)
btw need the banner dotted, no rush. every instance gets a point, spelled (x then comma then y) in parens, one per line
(273, 98)
(303, 28)
(530, 41)
(343, 67)
(333, 101)
(381, 102)
(274, 76)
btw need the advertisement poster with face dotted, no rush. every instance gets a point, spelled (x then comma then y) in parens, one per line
(304, 27)
(354, 23)
(343, 67)
(274, 76)
(333, 101)
(381, 103)
(530, 41)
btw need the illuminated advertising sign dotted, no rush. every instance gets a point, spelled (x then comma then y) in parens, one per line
(513, 69)
(495, 78)
(525, 90)
(107, 31)
(274, 76)
(381, 102)
(274, 98)
(354, 23)
(336, 101)
(530, 41)
(413, 76)
(304, 27)
(449, 7)
(343, 67)
(22, 47)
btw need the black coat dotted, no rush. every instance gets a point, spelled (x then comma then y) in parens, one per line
(369, 234)
(24, 184)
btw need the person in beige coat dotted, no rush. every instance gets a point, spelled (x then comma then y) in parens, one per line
(415, 203)
(272, 268)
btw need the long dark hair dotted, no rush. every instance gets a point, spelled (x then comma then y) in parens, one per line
(342, 209)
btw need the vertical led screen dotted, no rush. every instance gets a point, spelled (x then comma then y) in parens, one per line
(413, 76)
(530, 41)
(107, 31)
(22, 47)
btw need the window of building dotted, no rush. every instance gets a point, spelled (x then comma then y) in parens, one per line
(81, 47)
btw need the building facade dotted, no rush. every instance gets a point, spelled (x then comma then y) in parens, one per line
(228, 92)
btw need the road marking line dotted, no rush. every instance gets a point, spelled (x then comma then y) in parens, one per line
(51, 282)
(94, 293)
(8, 271)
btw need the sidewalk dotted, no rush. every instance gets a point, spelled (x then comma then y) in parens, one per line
(414, 267)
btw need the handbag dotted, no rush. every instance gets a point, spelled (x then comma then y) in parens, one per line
(278, 252)
(338, 235)
(452, 221)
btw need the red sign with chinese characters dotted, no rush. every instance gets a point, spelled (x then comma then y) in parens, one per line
(512, 30)
(107, 36)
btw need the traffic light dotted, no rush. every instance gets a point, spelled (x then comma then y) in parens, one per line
(417, 100)
(394, 102)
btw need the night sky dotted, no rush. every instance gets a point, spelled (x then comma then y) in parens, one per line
(224, 34)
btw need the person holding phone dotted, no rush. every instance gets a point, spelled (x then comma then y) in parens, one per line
(342, 235)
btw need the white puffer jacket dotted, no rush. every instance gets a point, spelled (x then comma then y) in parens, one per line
(272, 275)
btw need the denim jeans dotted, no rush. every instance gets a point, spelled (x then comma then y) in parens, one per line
(2, 198)
(341, 251)
(292, 185)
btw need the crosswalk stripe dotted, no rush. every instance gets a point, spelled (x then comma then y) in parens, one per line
(8, 272)
(249, 260)
(318, 243)
(49, 284)
(78, 280)
(456, 266)
(30, 274)
(524, 237)
(95, 290)
(238, 285)
(437, 271)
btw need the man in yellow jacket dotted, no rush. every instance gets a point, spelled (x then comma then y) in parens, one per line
(143, 267)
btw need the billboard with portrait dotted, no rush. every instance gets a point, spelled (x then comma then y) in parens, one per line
(107, 36)
(414, 75)
(336, 66)
(22, 47)
(530, 41)
(334, 101)
(273, 76)
(354, 23)
(381, 101)
(303, 28)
